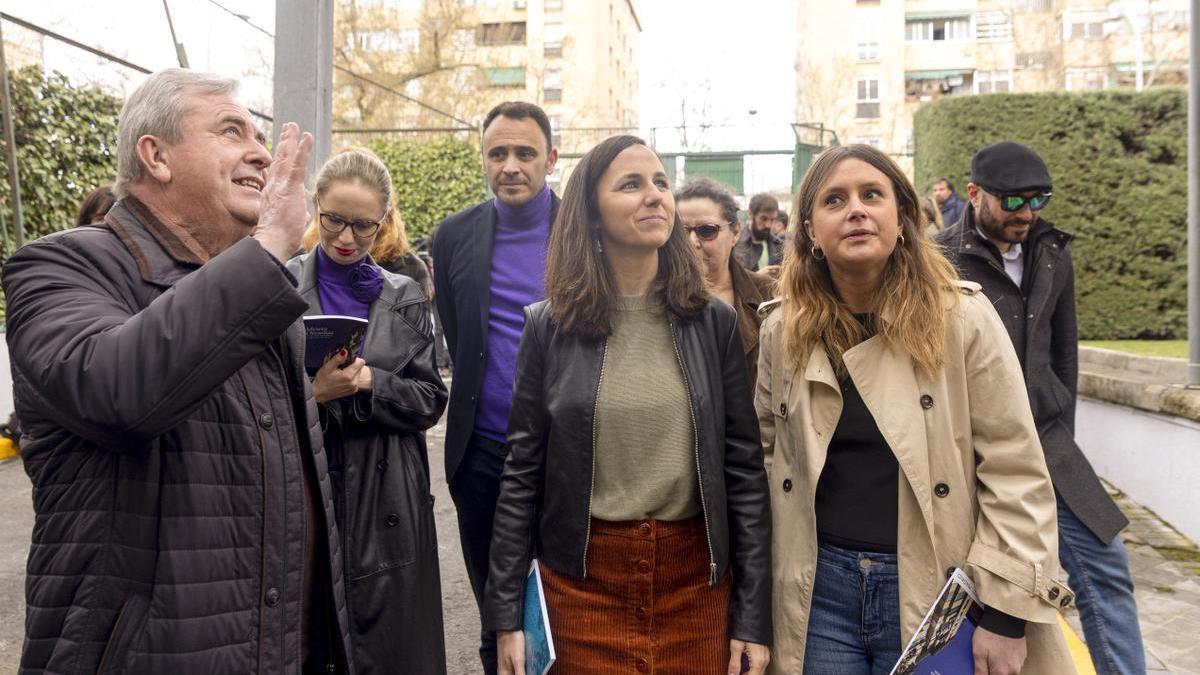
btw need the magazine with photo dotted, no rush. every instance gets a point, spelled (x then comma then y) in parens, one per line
(942, 643)
(539, 643)
(327, 334)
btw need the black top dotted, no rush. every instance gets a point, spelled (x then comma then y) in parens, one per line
(858, 492)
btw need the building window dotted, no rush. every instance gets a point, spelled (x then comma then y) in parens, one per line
(506, 33)
(505, 77)
(406, 40)
(552, 82)
(867, 95)
(938, 30)
(993, 26)
(1082, 25)
(553, 38)
(993, 81)
(1086, 79)
(868, 40)
(1033, 59)
(1034, 5)
(872, 141)
(553, 5)
(463, 38)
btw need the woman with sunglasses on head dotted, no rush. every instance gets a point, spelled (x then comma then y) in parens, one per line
(708, 213)
(897, 428)
(374, 413)
(635, 470)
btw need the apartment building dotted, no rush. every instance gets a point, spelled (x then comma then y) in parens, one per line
(22, 47)
(576, 58)
(865, 76)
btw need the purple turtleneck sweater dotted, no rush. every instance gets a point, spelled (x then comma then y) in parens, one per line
(518, 279)
(347, 290)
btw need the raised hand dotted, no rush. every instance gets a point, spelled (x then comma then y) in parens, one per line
(284, 212)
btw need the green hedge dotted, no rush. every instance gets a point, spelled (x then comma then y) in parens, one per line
(1119, 164)
(433, 179)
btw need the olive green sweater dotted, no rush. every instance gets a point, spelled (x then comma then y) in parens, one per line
(645, 436)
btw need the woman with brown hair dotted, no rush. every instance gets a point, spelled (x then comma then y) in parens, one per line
(709, 214)
(635, 470)
(897, 427)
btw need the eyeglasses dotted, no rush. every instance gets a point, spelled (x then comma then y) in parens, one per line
(705, 231)
(1013, 202)
(334, 224)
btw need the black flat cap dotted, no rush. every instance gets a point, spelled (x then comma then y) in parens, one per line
(1009, 167)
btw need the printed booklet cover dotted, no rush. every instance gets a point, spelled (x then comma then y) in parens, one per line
(327, 334)
(942, 643)
(539, 644)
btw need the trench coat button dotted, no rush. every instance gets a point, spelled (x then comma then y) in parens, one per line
(382, 465)
(941, 489)
(926, 401)
(1053, 592)
(393, 519)
(266, 420)
(644, 566)
(642, 665)
(644, 529)
(272, 597)
(1065, 601)
(783, 410)
(787, 484)
(640, 613)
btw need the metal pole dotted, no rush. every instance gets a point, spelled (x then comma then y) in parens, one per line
(1193, 245)
(10, 146)
(179, 51)
(304, 72)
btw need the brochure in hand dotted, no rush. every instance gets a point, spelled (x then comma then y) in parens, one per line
(327, 334)
(942, 643)
(539, 644)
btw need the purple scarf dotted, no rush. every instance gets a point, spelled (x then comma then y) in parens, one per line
(347, 290)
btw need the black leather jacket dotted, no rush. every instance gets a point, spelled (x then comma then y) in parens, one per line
(548, 474)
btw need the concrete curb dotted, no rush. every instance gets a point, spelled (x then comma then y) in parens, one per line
(1150, 383)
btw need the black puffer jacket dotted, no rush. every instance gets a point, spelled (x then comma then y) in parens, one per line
(543, 494)
(380, 470)
(169, 432)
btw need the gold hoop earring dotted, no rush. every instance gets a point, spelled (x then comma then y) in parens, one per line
(901, 238)
(815, 251)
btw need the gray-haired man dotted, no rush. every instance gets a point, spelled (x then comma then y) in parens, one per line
(184, 514)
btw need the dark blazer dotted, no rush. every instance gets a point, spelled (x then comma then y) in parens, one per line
(750, 289)
(462, 268)
(1040, 319)
(170, 434)
(544, 505)
(380, 469)
(745, 251)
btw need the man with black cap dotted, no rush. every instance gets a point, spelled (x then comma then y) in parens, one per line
(1024, 265)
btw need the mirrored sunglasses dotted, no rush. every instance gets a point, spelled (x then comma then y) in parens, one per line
(1018, 202)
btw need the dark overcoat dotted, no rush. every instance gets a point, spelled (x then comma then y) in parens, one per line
(1040, 318)
(180, 486)
(380, 468)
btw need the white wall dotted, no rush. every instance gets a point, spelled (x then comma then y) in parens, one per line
(1153, 458)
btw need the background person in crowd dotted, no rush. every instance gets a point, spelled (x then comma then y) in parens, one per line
(933, 216)
(758, 249)
(632, 438)
(1024, 264)
(95, 205)
(890, 398)
(185, 519)
(948, 201)
(708, 213)
(779, 229)
(374, 413)
(489, 263)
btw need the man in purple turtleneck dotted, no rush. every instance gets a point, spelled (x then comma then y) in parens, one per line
(489, 263)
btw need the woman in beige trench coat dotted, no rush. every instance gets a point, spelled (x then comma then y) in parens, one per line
(874, 327)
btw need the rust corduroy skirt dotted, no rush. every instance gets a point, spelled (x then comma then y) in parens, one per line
(645, 606)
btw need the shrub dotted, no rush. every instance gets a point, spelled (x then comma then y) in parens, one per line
(433, 179)
(1119, 164)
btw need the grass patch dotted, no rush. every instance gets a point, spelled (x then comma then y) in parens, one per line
(1176, 348)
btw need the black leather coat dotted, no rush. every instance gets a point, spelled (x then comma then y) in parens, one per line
(380, 469)
(544, 506)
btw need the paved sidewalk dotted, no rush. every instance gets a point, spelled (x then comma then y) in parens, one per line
(1166, 574)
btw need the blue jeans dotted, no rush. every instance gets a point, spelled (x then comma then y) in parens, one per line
(854, 621)
(1099, 575)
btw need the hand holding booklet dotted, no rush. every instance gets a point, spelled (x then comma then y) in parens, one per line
(942, 644)
(328, 334)
(539, 643)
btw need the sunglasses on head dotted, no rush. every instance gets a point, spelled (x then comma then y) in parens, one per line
(706, 231)
(1015, 202)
